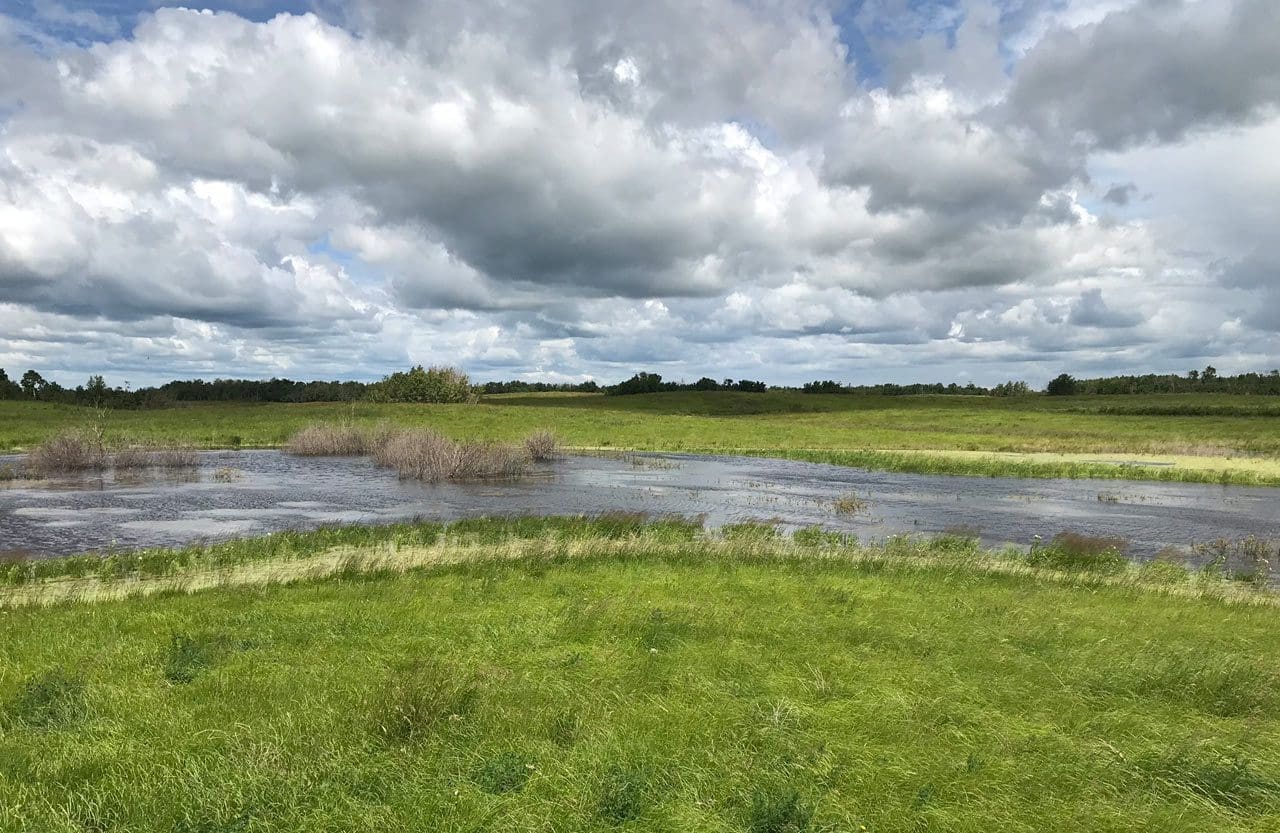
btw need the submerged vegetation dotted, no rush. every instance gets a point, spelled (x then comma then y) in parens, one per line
(615, 673)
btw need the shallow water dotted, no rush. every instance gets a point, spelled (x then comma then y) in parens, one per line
(273, 491)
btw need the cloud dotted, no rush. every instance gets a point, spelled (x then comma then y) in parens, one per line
(1153, 72)
(577, 189)
(1119, 194)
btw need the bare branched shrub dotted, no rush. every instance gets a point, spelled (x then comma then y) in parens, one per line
(67, 452)
(542, 445)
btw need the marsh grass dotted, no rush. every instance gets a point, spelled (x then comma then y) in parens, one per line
(1074, 551)
(51, 699)
(422, 696)
(585, 674)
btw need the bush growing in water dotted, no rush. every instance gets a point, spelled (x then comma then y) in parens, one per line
(542, 445)
(433, 384)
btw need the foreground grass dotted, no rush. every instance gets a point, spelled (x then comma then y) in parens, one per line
(643, 679)
(1201, 438)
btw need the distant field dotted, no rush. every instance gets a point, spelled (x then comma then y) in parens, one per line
(571, 676)
(1197, 434)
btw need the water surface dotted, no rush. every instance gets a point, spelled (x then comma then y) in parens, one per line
(271, 491)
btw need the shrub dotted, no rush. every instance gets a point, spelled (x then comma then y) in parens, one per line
(431, 385)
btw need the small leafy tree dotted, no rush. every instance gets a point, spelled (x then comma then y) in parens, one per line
(423, 385)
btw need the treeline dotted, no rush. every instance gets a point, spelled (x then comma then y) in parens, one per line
(920, 389)
(652, 383)
(517, 386)
(1195, 381)
(445, 384)
(31, 385)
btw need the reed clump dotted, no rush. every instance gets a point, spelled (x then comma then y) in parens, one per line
(424, 454)
(86, 451)
(542, 445)
(70, 451)
(135, 457)
(427, 455)
(329, 440)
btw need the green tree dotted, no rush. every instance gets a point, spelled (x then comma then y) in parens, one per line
(32, 384)
(1063, 385)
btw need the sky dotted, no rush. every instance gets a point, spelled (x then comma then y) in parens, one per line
(563, 190)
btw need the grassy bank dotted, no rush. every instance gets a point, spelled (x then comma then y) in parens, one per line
(1205, 438)
(595, 675)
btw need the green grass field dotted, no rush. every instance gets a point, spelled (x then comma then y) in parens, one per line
(573, 675)
(1215, 438)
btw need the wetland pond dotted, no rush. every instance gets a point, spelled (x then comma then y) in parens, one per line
(244, 493)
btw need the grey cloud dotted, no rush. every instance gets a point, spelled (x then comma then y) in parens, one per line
(1090, 310)
(1153, 72)
(1120, 194)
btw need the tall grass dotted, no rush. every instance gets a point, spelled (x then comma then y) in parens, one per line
(643, 682)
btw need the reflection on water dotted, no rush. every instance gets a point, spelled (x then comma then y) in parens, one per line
(272, 491)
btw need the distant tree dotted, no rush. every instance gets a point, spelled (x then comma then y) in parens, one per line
(1210, 373)
(1011, 388)
(1064, 385)
(823, 386)
(640, 383)
(1193, 375)
(95, 390)
(32, 384)
(750, 386)
(706, 383)
(9, 389)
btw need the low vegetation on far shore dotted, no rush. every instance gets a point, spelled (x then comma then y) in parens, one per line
(613, 673)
